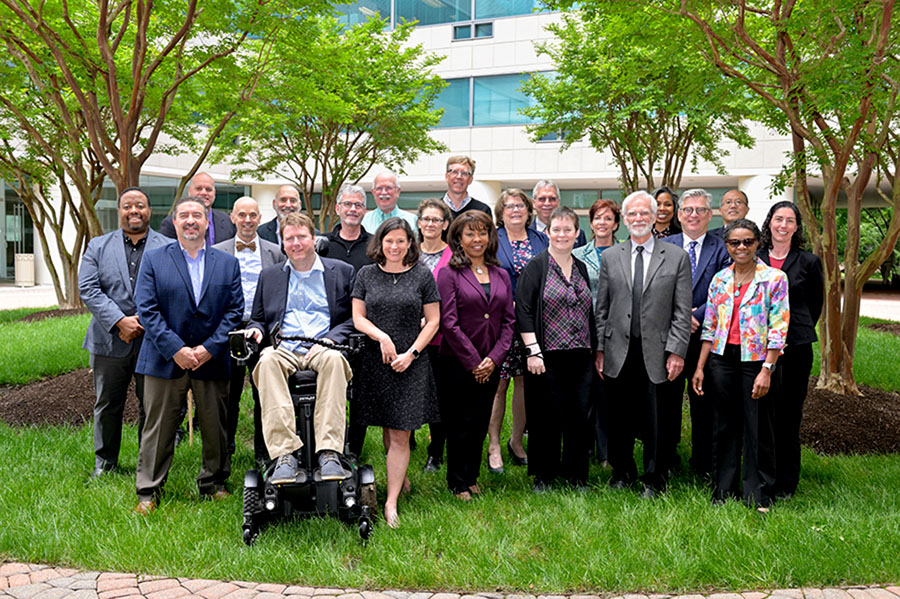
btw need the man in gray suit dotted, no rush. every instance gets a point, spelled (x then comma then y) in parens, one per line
(643, 327)
(253, 254)
(106, 282)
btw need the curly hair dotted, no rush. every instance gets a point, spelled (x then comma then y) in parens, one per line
(477, 221)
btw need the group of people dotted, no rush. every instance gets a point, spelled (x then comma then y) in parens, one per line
(598, 338)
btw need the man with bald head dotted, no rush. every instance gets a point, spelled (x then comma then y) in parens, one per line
(386, 191)
(203, 187)
(735, 205)
(253, 254)
(287, 200)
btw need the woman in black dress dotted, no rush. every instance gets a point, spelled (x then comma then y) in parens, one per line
(395, 384)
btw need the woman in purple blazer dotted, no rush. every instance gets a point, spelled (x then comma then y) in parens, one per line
(477, 327)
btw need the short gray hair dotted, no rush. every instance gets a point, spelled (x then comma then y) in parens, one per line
(640, 194)
(350, 189)
(390, 174)
(697, 193)
(545, 183)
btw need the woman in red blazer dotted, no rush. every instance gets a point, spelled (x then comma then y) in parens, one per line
(477, 326)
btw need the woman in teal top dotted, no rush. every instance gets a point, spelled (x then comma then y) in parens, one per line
(605, 218)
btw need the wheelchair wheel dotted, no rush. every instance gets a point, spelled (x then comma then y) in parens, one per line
(252, 515)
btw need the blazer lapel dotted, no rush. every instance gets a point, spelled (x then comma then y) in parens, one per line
(790, 259)
(118, 249)
(330, 287)
(656, 260)
(624, 250)
(469, 276)
(174, 250)
(703, 258)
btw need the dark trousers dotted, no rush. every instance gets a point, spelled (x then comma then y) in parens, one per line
(742, 430)
(467, 420)
(232, 409)
(599, 417)
(111, 378)
(557, 406)
(438, 430)
(163, 401)
(795, 365)
(633, 414)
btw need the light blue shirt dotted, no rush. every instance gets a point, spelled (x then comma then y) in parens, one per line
(373, 218)
(196, 267)
(306, 310)
(251, 265)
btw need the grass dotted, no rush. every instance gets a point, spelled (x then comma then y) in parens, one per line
(44, 348)
(842, 528)
(17, 313)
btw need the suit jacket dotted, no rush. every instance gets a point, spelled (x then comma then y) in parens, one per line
(717, 232)
(588, 254)
(105, 289)
(712, 258)
(221, 223)
(173, 318)
(806, 293)
(473, 325)
(271, 299)
(539, 243)
(269, 231)
(665, 308)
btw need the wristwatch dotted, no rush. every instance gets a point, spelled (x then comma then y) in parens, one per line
(415, 353)
(768, 366)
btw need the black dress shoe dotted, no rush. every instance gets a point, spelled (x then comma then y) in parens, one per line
(618, 483)
(516, 460)
(102, 470)
(540, 486)
(432, 464)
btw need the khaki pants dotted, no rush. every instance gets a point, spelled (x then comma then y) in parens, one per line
(271, 375)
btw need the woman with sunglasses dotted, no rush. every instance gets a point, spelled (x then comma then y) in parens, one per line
(744, 331)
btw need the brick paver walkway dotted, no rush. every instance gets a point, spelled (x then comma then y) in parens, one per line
(34, 581)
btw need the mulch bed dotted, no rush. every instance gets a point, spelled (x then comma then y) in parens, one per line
(885, 327)
(41, 315)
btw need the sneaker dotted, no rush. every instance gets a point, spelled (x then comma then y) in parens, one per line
(330, 466)
(286, 470)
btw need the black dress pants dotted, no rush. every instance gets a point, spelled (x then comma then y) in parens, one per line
(795, 365)
(634, 413)
(468, 413)
(742, 430)
(558, 407)
(438, 430)
(232, 409)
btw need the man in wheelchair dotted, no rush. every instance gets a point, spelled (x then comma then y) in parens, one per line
(307, 296)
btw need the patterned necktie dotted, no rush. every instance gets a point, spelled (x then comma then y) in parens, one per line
(637, 290)
(692, 254)
(246, 246)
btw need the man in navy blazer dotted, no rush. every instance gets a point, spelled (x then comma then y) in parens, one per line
(708, 256)
(106, 282)
(203, 187)
(307, 296)
(189, 298)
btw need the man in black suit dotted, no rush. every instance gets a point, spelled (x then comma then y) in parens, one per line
(707, 255)
(253, 254)
(307, 296)
(287, 200)
(203, 187)
(735, 205)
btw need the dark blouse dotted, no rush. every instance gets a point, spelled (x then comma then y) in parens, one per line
(567, 307)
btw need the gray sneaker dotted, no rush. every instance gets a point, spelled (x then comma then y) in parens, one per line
(286, 470)
(330, 466)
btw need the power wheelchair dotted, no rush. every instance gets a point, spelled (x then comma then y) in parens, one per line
(352, 500)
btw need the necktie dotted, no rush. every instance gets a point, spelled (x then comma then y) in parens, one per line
(692, 254)
(245, 246)
(637, 290)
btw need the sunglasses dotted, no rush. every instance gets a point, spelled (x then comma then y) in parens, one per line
(736, 243)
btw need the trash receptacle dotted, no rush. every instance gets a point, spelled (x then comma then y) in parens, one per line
(24, 270)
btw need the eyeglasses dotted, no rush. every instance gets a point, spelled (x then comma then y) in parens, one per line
(734, 203)
(387, 188)
(514, 207)
(736, 243)
(458, 173)
(544, 199)
(356, 205)
(431, 220)
(689, 210)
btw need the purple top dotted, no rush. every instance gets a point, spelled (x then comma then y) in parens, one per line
(567, 308)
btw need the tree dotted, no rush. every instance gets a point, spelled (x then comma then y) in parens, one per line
(827, 72)
(340, 102)
(632, 85)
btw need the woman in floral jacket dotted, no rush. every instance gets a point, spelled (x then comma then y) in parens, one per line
(742, 346)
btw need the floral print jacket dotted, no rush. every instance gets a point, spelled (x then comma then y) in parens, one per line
(763, 314)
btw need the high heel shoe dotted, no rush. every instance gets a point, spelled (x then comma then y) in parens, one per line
(516, 460)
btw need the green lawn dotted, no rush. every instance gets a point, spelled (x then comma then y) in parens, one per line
(843, 527)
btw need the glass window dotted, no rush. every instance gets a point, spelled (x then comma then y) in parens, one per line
(484, 29)
(454, 99)
(433, 12)
(497, 100)
(354, 13)
(462, 32)
(489, 9)
(410, 200)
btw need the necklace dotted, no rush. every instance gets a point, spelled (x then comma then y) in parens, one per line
(479, 270)
(739, 285)
(773, 256)
(394, 275)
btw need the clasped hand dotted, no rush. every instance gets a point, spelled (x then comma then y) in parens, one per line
(192, 358)
(484, 370)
